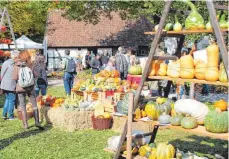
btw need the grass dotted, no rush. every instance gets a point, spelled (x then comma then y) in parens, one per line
(86, 144)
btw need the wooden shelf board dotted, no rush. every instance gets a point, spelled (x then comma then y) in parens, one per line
(165, 58)
(185, 32)
(185, 80)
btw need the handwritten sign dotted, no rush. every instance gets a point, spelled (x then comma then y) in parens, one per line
(200, 55)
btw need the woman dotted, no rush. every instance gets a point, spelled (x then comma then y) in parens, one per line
(26, 60)
(8, 86)
(111, 64)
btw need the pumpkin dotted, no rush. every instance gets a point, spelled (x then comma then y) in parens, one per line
(162, 70)
(200, 70)
(143, 114)
(221, 104)
(143, 150)
(192, 107)
(189, 122)
(164, 119)
(176, 120)
(115, 74)
(134, 85)
(216, 121)
(155, 67)
(120, 89)
(174, 69)
(135, 70)
(187, 67)
(165, 151)
(126, 83)
(153, 111)
(107, 115)
(212, 74)
(7, 53)
(213, 55)
(153, 154)
(222, 73)
(104, 73)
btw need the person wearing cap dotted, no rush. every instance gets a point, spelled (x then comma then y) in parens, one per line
(8, 86)
(121, 63)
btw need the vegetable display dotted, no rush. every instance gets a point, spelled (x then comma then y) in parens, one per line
(223, 22)
(155, 67)
(221, 104)
(222, 73)
(194, 21)
(187, 67)
(164, 118)
(169, 27)
(135, 70)
(177, 26)
(174, 69)
(216, 121)
(162, 70)
(176, 120)
(189, 122)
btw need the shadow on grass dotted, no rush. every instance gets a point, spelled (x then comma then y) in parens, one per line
(6, 142)
(2, 100)
(203, 146)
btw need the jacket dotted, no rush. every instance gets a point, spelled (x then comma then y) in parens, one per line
(121, 64)
(65, 62)
(95, 65)
(15, 77)
(7, 82)
(104, 60)
(40, 69)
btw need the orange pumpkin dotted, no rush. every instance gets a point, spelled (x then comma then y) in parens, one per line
(104, 73)
(155, 67)
(115, 74)
(7, 54)
(126, 83)
(221, 104)
(120, 89)
(48, 99)
(200, 70)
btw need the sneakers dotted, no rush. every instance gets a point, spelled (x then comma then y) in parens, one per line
(12, 118)
(3, 117)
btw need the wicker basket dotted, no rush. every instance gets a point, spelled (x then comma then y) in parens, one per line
(101, 123)
(29, 115)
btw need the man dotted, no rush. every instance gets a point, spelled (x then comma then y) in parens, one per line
(121, 63)
(8, 85)
(69, 67)
(105, 58)
(88, 60)
(96, 64)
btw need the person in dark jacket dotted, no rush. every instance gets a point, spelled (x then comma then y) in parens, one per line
(104, 59)
(88, 60)
(8, 86)
(121, 63)
(96, 64)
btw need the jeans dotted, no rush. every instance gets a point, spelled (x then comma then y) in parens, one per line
(42, 88)
(68, 82)
(9, 104)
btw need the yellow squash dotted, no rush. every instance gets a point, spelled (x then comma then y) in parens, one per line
(212, 74)
(162, 70)
(200, 71)
(153, 154)
(174, 69)
(213, 55)
(155, 67)
(222, 73)
(187, 67)
(165, 151)
(137, 113)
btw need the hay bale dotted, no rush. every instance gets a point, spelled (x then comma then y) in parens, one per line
(70, 120)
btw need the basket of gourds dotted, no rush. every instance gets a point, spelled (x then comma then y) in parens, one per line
(101, 122)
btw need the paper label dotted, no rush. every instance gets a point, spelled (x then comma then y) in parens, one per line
(200, 55)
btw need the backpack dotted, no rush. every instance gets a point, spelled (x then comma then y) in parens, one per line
(26, 78)
(71, 67)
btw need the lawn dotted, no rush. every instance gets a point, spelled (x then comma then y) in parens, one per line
(86, 144)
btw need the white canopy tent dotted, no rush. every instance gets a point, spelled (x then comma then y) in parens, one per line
(23, 43)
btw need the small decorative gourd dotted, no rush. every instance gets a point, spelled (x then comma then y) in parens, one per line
(189, 122)
(162, 70)
(164, 118)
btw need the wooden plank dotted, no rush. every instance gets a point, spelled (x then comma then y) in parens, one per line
(152, 52)
(219, 36)
(200, 130)
(165, 58)
(185, 80)
(221, 7)
(129, 130)
(185, 32)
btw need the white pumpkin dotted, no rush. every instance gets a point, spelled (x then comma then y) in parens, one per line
(192, 107)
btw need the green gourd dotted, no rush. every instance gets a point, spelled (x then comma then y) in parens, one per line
(176, 120)
(216, 121)
(177, 26)
(189, 122)
(169, 27)
(194, 21)
(223, 22)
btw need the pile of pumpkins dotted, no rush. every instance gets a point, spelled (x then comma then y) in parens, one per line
(188, 68)
(50, 101)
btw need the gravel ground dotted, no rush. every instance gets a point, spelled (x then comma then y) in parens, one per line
(55, 82)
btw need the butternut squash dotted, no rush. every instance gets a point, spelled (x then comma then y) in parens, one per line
(212, 74)
(200, 70)
(187, 67)
(162, 70)
(222, 73)
(155, 67)
(174, 69)
(213, 55)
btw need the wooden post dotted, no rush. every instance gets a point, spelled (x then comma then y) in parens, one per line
(192, 91)
(129, 131)
(219, 36)
(152, 52)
